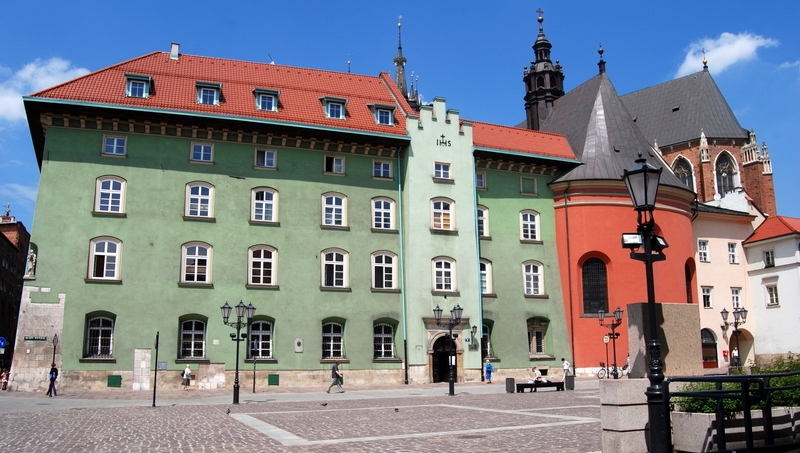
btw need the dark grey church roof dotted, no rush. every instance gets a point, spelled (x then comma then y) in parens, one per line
(602, 133)
(676, 111)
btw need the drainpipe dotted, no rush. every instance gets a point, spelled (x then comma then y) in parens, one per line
(401, 267)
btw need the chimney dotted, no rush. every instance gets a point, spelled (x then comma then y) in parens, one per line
(173, 52)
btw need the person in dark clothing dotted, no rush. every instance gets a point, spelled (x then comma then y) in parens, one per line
(51, 391)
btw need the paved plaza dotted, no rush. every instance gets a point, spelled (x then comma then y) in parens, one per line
(413, 418)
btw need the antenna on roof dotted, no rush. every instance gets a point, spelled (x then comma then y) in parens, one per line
(348, 63)
(271, 60)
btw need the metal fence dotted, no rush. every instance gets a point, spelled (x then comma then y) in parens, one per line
(749, 392)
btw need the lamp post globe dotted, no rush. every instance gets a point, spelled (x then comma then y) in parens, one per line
(244, 315)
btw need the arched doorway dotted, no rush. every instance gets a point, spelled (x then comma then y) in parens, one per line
(442, 348)
(744, 341)
(709, 345)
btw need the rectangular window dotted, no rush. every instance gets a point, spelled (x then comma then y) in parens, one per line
(137, 86)
(381, 169)
(480, 180)
(735, 300)
(441, 170)
(529, 186)
(114, 146)
(707, 297)
(772, 295)
(769, 258)
(733, 256)
(266, 158)
(266, 102)
(334, 164)
(202, 152)
(702, 251)
(384, 117)
(335, 110)
(207, 96)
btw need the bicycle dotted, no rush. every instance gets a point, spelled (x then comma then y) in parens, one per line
(604, 370)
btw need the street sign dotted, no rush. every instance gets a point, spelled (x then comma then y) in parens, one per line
(2, 342)
(606, 339)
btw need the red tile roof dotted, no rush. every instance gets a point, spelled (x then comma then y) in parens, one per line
(496, 137)
(174, 89)
(774, 227)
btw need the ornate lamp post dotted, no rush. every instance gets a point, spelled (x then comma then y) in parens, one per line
(642, 183)
(739, 318)
(455, 319)
(601, 315)
(244, 314)
(55, 343)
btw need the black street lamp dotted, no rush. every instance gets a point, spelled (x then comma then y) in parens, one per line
(739, 318)
(455, 319)
(601, 316)
(642, 183)
(55, 343)
(244, 314)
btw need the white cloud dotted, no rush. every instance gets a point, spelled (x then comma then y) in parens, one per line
(722, 52)
(789, 65)
(34, 76)
(13, 191)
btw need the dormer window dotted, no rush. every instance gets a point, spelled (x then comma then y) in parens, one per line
(208, 93)
(384, 114)
(334, 107)
(138, 86)
(266, 100)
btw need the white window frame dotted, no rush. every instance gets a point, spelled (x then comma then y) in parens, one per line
(267, 102)
(115, 145)
(196, 340)
(386, 271)
(105, 258)
(769, 258)
(736, 300)
(202, 152)
(99, 337)
(266, 158)
(332, 340)
(533, 278)
(480, 180)
(443, 214)
(206, 92)
(262, 270)
(337, 261)
(383, 209)
(259, 347)
(444, 274)
(335, 110)
(482, 213)
(382, 341)
(706, 296)
(485, 268)
(110, 195)
(199, 200)
(334, 210)
(702, 251)
(442, 170)
(733, 254)
(382, 169)
(334, 165)
(529, 226)
(772, 295)
(134, 80)
(193, 258)
(264, 210)
(384, 117)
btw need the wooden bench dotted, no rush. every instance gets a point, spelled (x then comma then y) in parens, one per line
(535, 385)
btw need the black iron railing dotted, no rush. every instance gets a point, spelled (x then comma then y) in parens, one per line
(749, 392)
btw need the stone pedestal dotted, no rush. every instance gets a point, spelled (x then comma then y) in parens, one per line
(623, 415)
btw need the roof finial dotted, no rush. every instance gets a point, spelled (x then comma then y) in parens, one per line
(601, 64)
(400, 62)
(705, 62)
(540, 19)
(348, 63)
(8, 209)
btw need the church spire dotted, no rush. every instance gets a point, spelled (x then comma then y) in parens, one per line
(544, 82)
(400, 63)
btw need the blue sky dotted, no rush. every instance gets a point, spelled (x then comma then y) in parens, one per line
(470, 52)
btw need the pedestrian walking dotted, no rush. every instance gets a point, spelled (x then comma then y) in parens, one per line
(336, 378)
(489, 369)
(187, 377)
(52, 376)
(4, 379)
(565, 367)
(735, 354)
